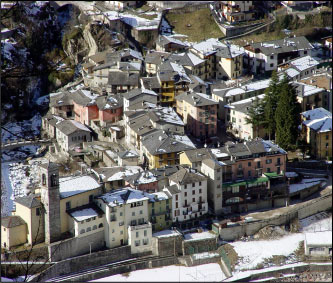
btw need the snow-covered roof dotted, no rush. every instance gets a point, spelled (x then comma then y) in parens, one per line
(73, 185)
(304, 63)
(318, 119)
(158, 196)
(208, 46)
(116, 173)
(166, 234)
(195, 59)
(319, 238)
(217, 152)
(123, 196)
(291, 72)
(307, 90)
(304, 184)
(199, 236)
(86, 213)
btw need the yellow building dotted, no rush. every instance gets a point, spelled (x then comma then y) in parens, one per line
(229, 62)
(161, 148)
(13, 231)
(159, 211)
(317, 130)
(30, 209)
(167, 88)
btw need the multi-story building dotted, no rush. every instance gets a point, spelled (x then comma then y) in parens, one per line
(127, 221)
(189, 195)
(253, 168)
(169, 44)
(199, 113)
(139, 96)
(264, 57)
(317, 130)
(236, 11)
(159, 210)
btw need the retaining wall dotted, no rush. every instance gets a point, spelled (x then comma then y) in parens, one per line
(301, 211)
(91, 260)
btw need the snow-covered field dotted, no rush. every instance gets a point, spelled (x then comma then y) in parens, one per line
(252, 253)
(17, 179)
(203, 273)
(315, 223)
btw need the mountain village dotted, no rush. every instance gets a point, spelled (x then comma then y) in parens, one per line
(164, 152)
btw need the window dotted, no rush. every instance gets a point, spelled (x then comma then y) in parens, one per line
(200, 191)
(91, 198)
(193, 199)
(133, 213)
(141, 211)
(137, 243)
(279, 160)
(327, 137)
(271, 65)
(100, 225)
(185, 194)
(113, 239)
(249, 174)
(199, 183)
(88, 220)
(268, 161)
(193, 192)
(94, 227)
(82, 231)
(145, 233)
(268, 170)
(68, 205)
(185, 186)
(121, 223)
(121, 232)
(145, 241)
(272, 56)
(4, 229)
(305, 52)
(88, 229)
(193, 185)
(37, 211)
(120, 213)
(235, 190)
(120, 182)
(44, 179)
(249, 164)
(137, 234)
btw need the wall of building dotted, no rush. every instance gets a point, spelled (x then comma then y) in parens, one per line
(13, 236)
(199, 246)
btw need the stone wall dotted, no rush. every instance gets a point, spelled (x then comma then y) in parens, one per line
(89, 261)
(168, 246)
(199, 246)
(300, 211)
(76, 246)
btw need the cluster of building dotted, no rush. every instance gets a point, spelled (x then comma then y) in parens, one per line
(141, 115)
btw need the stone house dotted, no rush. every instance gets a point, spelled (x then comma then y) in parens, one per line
(143, 181)
(61, 104)
(317, 130)
(120, 82)
(49, 123)
(199, 113)
(71, 134)
(139, 96)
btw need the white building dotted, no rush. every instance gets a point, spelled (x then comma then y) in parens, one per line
(189, 194)
(318, 244)
(127, 222)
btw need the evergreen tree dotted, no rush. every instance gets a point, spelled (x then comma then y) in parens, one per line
(256, 115)
(270, 102)
(287, 115)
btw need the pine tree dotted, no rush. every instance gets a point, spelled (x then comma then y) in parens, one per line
(287, 116)
(270, 102)
(255, 115)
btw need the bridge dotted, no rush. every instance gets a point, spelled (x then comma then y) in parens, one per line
(22, 142)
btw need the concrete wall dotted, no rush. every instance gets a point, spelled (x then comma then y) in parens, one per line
(76, 246)
(91, 260)
(301, 211)
(199, 246)
(168, 246)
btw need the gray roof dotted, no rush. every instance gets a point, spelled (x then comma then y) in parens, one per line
(174, 189)
(123, 78)
(151, 83)
(127, 154)
(163, 40)
(107, 172)
(156, 57)
(164, 172)
(109, 102)
(196, 99)
(12, 221)
(198, 154)
(29, 201)
(187, 176)
(212, 163)
(138, 91)
(80, 98)
(52, 119)
(70, 126)
(160, 142)
(282, 45)
(61, 99)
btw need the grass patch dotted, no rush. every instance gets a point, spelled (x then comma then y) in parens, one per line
(198, 25)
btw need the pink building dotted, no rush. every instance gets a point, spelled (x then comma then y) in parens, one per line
(199, 113)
